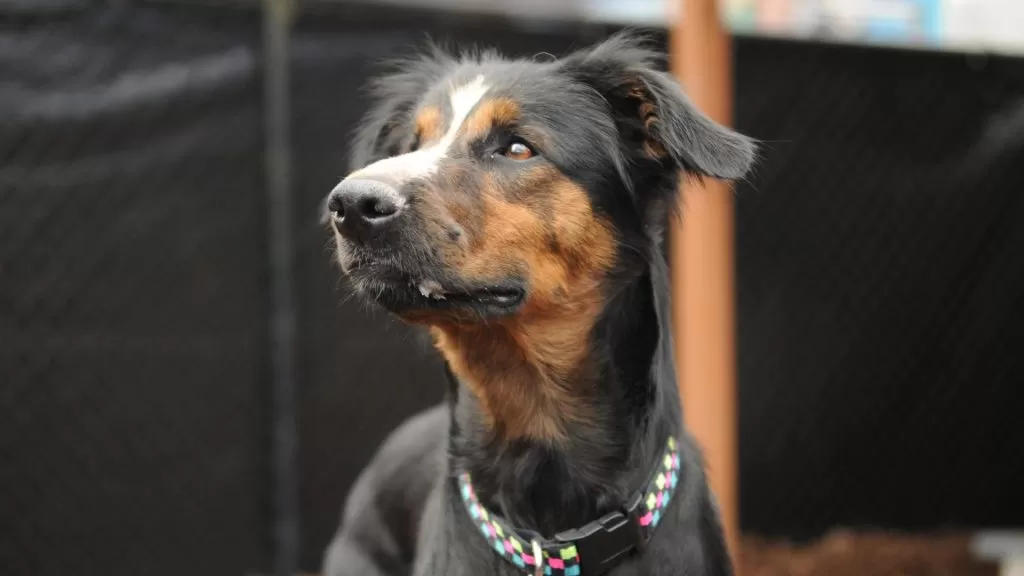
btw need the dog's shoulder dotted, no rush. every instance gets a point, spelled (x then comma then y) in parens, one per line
(378, 530)
(411, 455)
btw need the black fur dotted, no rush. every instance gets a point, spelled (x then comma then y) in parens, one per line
(404, 515)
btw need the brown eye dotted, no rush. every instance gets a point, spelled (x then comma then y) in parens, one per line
(518, 151)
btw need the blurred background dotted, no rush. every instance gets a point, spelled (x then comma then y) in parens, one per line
(184, 389)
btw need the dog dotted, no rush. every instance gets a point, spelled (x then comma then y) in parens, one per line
(515, 208)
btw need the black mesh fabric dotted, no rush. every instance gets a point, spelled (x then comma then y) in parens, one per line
(880, 289)
(132, 295)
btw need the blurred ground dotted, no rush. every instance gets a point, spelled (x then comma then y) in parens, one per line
(844, 553)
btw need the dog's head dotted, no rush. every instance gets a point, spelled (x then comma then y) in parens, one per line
(485, 188)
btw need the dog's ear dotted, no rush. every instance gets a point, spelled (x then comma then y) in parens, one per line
(656, 117)
(388, 124)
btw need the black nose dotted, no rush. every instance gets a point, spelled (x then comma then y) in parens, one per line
(363, 208)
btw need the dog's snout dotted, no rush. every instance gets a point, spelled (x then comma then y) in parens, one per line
(363, 208)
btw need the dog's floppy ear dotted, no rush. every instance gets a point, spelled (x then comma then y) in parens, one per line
(388, 124)
(654, 113)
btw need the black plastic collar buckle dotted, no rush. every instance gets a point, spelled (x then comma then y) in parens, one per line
(604, 543)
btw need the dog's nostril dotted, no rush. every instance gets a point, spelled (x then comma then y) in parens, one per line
(376, 207)
(336, 207)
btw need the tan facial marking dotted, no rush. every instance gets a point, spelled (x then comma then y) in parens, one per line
(429, 125)
(528, 371)
(491, 113)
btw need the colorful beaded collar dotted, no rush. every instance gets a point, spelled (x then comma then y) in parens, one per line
(593, 549)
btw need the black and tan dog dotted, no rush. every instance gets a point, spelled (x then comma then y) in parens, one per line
(515, 208)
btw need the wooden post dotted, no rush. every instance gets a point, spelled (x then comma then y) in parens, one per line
(702, 265)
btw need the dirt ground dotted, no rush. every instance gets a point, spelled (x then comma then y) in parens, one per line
(845, 553)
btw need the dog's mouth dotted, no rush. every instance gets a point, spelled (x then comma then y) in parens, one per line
(417, 292)
(490, 295)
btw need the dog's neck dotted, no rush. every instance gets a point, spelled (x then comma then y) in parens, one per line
(552, 446)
